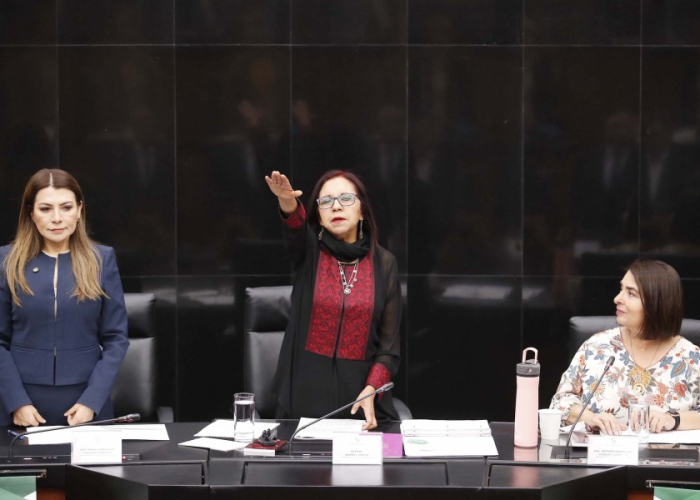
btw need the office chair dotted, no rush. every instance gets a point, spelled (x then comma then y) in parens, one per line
(266, 316)
(135, 390)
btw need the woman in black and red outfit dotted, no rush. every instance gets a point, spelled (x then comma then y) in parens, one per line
(342, 340)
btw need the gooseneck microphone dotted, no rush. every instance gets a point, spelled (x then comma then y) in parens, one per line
(386, 387)
(131, 417)
(587, 401)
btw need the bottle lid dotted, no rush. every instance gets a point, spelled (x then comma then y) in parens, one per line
(528, 367)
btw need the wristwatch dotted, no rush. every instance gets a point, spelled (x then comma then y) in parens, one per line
(676, 416)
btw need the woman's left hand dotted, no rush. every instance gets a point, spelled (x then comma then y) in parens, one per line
(660, 421)
(367, 406)
(79, 414)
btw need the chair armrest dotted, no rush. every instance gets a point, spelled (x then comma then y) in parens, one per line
(402, 410)
(165, 415)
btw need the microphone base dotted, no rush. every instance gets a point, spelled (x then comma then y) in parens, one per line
(311, 448)
(568, 453)
(59, 459)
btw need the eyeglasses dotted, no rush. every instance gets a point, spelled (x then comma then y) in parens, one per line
(345, 199)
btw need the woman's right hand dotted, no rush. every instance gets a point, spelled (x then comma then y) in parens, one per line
(606, 423)
(282, 188)
(27, 416)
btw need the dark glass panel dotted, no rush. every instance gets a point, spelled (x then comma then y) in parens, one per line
(671, 22)
(116, 117)
(27, 22)
(581, 163)
(233, 129)
(670, 176)
(465, 160)
(348, 21)
(582, 22)
(232, 21)
(465, 21)
(110, 22)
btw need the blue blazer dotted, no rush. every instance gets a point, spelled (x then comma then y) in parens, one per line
(58, 340)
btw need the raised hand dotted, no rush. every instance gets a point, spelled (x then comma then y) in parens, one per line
(281, 187)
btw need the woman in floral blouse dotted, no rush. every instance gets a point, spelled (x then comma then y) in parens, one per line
(653, 363)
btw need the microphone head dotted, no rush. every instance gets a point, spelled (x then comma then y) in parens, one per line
(610, 362)
(131, 417)
(386, 387)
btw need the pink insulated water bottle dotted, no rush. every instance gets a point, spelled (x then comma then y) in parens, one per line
(526, 400)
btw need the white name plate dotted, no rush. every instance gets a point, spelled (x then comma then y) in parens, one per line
(92, 445)
(365, 449)
(613, 450)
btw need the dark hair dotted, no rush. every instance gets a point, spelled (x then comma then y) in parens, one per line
(369, 224)
(661, 292)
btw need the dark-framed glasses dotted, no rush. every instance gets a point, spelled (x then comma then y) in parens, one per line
(345, 199)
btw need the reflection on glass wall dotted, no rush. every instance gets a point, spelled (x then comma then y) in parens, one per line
(464, 168)
(581, 164)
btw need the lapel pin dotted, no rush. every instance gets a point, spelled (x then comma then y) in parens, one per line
(35, 270)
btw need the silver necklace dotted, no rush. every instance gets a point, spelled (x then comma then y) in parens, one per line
(348, 284)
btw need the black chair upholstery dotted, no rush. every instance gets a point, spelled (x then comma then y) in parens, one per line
(135, 390)
(582, 327)
(266, 316)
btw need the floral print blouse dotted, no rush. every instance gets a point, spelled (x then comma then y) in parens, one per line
(672, 383)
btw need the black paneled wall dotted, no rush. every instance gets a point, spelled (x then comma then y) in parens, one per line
(519, 153)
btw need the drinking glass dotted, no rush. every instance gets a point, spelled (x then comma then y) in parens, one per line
(639, 421)
(244, 416)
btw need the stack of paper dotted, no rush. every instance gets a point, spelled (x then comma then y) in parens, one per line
(216, 435)
(214, 444)
(447, 438)
(326, 429)
(456, 428)
(62, 434)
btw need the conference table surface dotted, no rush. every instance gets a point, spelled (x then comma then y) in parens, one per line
(157, 469)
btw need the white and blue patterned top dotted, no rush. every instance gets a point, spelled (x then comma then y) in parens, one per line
(672, 383)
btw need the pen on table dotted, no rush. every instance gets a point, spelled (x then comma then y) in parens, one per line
(16, 434)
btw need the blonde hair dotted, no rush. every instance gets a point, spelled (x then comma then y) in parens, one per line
(85, 257)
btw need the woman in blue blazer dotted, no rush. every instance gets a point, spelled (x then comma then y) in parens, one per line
(63, 324)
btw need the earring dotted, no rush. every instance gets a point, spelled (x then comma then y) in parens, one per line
(361, 233)
(320, 234)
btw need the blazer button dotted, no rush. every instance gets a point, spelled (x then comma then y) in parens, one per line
(35, 270)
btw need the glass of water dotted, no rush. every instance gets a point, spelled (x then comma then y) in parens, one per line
(639, 421)
(244, 416)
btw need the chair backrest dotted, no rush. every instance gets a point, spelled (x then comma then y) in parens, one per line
(135, 390)
(582, 327)
(266, 317)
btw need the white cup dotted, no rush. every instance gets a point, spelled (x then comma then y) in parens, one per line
(638, 422)
(550, 421)
(244, 417)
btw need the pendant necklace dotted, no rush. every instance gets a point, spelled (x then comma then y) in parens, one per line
(348, 284)
(638, 388)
